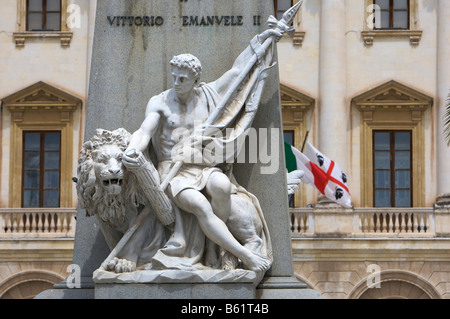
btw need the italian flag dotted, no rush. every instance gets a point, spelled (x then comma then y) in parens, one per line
(319, 171)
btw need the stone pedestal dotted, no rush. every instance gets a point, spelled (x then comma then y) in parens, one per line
(175, 291)
(284, 288)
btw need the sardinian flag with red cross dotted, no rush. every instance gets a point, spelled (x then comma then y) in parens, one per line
(320, 171)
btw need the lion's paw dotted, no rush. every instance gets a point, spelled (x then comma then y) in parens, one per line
(121, 265)
(229, 261)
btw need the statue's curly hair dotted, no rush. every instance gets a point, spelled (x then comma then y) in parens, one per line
(190, 62)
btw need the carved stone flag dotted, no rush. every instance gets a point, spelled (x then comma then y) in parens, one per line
(320, 171)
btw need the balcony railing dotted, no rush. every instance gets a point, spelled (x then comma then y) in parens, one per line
(364, 222)
(37, 222)
(302, 221)
(411, 221)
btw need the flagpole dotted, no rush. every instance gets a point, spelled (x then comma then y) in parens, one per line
(304, 141)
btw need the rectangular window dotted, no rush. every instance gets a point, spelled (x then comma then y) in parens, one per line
(43, 15)
(392, 169)
(41, 169)
(394, 14)
(281, 6)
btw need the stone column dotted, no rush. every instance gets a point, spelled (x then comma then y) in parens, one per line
(333, 111)
(443, 90)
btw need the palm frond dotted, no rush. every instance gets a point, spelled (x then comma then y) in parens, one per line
(447, 121)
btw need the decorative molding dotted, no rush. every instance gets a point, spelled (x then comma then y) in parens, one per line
(392, 106)
(29, 276)
(41, 107)
(369, 36)
(21, 36)
(414, 32)
(298, 38)
(293, 99)
(406, 276)
(394, 96)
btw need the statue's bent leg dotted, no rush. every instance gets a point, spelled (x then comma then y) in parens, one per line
(215, 229)
(219, 189)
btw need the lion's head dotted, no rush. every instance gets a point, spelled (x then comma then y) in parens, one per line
(104, 187)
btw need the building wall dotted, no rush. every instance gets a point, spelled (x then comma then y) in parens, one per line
(362, 68)
(326, 72)
(32, 259)
(43, 59)
(334, 65)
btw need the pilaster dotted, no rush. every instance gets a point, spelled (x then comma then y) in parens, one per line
(443, 67)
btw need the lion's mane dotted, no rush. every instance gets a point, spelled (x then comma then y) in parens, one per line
(92, 196)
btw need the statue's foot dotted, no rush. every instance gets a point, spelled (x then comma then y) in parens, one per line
(257, 262)
(121, 265)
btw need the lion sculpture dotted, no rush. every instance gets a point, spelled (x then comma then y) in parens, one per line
(106, 190)
(111, 193)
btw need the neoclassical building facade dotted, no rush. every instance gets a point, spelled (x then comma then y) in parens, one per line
(368, 82)
(365, 82)
(45, 58)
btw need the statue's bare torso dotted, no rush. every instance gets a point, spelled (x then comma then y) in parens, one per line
(177, 120)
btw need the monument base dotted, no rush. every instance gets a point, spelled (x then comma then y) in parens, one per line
(175, 291)
(83, 290)
(177, 284)
(269, 288)
(285, 288)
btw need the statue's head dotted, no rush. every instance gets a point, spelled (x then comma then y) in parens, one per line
(187, 66)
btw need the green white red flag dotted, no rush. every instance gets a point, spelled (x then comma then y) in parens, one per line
(319, 171)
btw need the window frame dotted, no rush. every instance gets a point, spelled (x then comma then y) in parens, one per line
(42, 107)
(65, 34)
(44, 13)
(370, 33)
(392, 169)
(281, 12)
(392, 106)
(392, 11)
(41, 188)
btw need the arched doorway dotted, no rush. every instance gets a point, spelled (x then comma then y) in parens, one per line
(395, 284)
(28, 284)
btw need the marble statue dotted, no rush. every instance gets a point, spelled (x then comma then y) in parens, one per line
(184, 210)
(108, 191)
